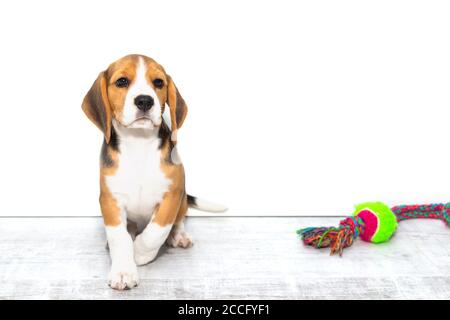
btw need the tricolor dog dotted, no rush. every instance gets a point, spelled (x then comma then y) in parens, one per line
(142, 185)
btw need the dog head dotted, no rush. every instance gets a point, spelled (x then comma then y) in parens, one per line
(134, 91)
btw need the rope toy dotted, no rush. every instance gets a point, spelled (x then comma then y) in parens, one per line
(373, 222)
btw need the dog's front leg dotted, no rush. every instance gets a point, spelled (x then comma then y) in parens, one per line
(123, 274)
(148, 243)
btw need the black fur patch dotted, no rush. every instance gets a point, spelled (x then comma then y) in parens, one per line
(105, 156)
(191, 200)
(165, 135)
(114, 140)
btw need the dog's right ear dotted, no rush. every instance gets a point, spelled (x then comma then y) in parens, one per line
(97, 107)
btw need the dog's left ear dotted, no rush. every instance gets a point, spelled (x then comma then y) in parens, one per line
(97, 107)
(177, 106)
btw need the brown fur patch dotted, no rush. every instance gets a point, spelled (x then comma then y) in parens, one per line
(96, 105)
(108, 203)
(174, 201)
(183, 210)
(125, 67)
(178, 108)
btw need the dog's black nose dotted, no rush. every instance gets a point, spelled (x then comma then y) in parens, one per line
(144, 102)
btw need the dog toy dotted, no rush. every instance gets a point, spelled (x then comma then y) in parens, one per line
(373, 222)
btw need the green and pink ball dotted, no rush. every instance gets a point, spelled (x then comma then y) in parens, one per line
(380, 222)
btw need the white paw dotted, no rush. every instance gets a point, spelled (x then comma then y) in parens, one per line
(123, 278)
(180, 239)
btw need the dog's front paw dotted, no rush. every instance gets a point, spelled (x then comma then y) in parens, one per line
(180, 239)
(123, 278)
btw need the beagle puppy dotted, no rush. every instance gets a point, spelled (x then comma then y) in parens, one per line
(142, 184)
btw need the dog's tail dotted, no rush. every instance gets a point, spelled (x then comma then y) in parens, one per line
(204, 205)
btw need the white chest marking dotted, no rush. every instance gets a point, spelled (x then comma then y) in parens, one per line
(139, 183)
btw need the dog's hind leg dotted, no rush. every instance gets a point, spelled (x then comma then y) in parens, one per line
(178, 237)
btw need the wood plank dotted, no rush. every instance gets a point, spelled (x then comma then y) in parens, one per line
(233, 258)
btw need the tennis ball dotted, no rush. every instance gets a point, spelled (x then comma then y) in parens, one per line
(380, 222)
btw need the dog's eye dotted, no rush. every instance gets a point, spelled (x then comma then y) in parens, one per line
(158, 83)
(122, 82)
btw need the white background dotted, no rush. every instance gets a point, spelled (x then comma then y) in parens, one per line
(295, 107)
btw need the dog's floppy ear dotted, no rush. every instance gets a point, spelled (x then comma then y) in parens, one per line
(97, 107)
(177, 106)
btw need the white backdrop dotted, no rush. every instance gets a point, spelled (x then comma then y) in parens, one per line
(295, 107)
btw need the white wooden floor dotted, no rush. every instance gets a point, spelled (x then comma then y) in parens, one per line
(245, 258)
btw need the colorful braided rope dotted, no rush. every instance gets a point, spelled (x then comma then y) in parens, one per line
(336, 238)
(423, 211)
